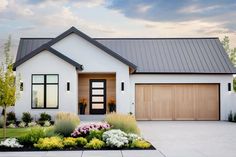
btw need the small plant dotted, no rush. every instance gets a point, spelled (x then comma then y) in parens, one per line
(95, 144)
(65, 123)
(45, 117)
(26, 117)
(32, 136)
(11, 142)
(47, 123)
(112, 105)
(230, 116)
(83, 130)
(70, 142)
(82, 105)
(11, 125)
(21, 124)
(81, 141)
(115, 138)
(11, 117)
(95, 134)
(49, 143)
(140, 144)
(32, 124)
(126, 123)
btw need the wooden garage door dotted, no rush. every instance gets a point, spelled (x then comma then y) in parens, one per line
(177, 102)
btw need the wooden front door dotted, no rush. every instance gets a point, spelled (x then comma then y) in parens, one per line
(97, 96)
(177, 102)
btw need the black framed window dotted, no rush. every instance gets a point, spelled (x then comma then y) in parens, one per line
(45, 89)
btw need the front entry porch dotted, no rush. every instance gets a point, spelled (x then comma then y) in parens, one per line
(97, 89)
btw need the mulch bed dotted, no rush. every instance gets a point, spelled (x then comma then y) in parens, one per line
(27, 149)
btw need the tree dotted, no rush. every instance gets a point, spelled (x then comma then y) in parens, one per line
(232, 55)
(7, 83)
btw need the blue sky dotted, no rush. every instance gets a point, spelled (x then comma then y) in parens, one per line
(118, 18)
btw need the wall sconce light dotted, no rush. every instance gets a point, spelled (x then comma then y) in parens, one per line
(229, 87)
(122, 86)
(68, 86)
(21, 86)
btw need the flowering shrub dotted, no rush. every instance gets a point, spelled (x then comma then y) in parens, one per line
(140, 144)
(69, 142)
(115, 138)
(32, 124)
(11, 142)
(84, 130)
(22, 124)
(81, 141)
(47, 123)
(11, 125)
(95, 144)
(49, 143)
(132, 137)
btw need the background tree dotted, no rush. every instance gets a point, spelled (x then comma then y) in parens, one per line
(7, 82)
(231, 53)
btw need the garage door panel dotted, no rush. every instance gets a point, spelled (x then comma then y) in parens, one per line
(177, 102)
(184, 102)
(207, 100)
(162, 102)
(143, 102)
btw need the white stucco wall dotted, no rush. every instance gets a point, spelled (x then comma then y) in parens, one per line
(225, 95)
(47, 63)
(95, 60)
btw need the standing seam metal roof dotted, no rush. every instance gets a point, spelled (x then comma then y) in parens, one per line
(158, 55)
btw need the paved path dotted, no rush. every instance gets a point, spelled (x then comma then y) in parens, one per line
(172, 139)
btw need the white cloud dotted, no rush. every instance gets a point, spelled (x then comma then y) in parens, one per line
(197, 9)
(89, 3)
(142, 8)
(3, 5)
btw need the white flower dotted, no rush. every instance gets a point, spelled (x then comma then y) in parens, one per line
(115, 138)
(47, 123)
(32, 124)
(132, 137)
(22, 124)
(11, 142)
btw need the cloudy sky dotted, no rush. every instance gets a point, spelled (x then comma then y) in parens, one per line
(118, 18)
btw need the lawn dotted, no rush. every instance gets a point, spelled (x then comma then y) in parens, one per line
(14, 132)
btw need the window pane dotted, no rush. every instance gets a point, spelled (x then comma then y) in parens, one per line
(38, 79)
(97, 106)
(97, 84)
(52, 78)
(97, 99)
(52, 95)
(97, 92)
(38, 96)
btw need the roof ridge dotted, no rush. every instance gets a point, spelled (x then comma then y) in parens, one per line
(36, 38)
(148, 38)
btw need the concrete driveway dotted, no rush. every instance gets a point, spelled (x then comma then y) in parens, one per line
(171, 138)
(191, 138)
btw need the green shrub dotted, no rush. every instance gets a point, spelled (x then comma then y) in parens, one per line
(45, 117)
(126, 123)
(26, 117)
(81, 141)
(69, 142)
(95, 134)
(140, 144)
(95, 144)
(230, 116)
(1, 121)
(49, 143)
(65, 123)
(11, 117)
(32, 136)
(49, 132)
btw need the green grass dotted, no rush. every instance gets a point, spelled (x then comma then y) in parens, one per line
(14, 132)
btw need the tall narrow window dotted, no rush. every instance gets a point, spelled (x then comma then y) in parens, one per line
(44, 91)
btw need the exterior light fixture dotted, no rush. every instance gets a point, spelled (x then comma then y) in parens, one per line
(229, 87)
(122, 86)
(68, 86)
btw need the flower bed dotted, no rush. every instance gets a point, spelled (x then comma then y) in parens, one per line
(92, 136)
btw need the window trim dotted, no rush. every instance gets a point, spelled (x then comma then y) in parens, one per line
(45, 91)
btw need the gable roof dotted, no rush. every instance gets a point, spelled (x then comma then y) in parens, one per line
(152, 55)
(53, 51)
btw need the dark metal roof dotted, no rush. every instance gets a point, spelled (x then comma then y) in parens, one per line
(172, 55)
(151, 55)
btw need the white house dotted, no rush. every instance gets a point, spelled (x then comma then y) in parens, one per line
(154, 78)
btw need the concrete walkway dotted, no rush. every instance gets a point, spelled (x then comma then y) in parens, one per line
(171, 138)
